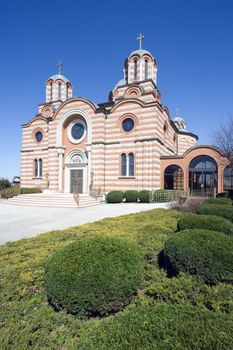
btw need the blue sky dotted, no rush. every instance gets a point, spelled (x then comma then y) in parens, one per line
(191, 41)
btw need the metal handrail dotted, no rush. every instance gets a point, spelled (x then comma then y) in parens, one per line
(76, 196)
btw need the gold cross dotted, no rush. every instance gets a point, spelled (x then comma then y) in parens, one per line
(140, 38)
(60, 64)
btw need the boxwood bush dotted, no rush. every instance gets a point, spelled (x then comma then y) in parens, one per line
(27, 190)
(161, 326)
(225, 211)
(167, 195)
(10, 192)
(217, 201)
(94, 276)
(131, 196)
(205, 253)
(144, 196)
(115, 197)
(209, 222)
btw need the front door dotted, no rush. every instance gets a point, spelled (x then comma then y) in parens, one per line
(202, 182)
(76, 180)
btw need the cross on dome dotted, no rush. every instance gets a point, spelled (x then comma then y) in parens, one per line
(140, 38)
(59, 65)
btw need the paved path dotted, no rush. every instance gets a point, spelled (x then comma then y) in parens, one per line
(17, 222)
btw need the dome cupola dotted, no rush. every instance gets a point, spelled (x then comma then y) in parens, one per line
(179, 122)
(58, 87)
(140, 65)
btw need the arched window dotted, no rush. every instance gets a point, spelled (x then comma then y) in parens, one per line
(35, 167)
(40, 168)
(146, 69)
(173, 178)
(59, 90)
(135, 70)
(131, 164)
(123, 165)
(51, 91)
(165, 129)
(228, 179)
(67, 92)
(203, 175)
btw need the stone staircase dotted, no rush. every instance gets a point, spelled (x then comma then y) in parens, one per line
(52, 200)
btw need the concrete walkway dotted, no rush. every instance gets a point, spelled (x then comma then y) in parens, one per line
(17, 222)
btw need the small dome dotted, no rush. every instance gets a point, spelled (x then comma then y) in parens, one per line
(120, 82)
(59, 76)
(140, 52)
(178, 120)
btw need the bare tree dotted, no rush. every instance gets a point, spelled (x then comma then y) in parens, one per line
(223, 139)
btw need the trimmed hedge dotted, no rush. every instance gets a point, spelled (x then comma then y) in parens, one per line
(115, 197)
(10, 192)
(225, 211)
(144, 196)
(167, 195)
(222, 194)
(219, 201)
(15, 191)
(205, 253)
(94, 276)
(160, 326)
(131, 196)
(27, 190)
(209, 222)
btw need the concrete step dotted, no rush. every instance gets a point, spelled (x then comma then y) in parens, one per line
(55, 200)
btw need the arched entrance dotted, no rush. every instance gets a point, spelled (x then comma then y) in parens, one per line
(76, 172)
(173, 178)
(203, 175)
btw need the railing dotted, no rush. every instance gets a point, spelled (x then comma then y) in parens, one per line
(95, 192)
(76, 196)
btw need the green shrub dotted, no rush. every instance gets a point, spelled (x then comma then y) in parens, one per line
(167, 195)
(144, 196)
(115, 197)
(161, 326)
(27, 190)
(208, 254)
(131, 196)
(4, 183)
(190, 289)
(217, 201)
(94, 276)
(209, 222)
(225, 211)
(222, 194)
(10, 192)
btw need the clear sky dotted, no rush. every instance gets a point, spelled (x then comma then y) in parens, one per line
(190, 39)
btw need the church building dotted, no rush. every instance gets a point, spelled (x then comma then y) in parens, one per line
(128, 142)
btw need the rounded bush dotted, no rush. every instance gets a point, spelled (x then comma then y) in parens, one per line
(225, 211)
(209, 222)
(160, 326)
(205, 253)
(222, 194)
(217, 201)
(131, 196)
(115, 197)
(94, 276)
(144, 196)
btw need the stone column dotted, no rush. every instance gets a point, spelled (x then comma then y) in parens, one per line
(89, 168)
(60, 152)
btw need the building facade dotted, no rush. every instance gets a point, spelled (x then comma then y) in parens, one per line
(129, 142)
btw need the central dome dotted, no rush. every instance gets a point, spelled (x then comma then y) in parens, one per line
(140, 52)
(59, 76)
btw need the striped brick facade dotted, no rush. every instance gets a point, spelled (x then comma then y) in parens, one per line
(98, 154)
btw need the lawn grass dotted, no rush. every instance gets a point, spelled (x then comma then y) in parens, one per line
(27, 321)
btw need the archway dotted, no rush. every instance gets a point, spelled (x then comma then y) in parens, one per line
(228, 179)
(76, 172)
(203, 175)
(173, 178)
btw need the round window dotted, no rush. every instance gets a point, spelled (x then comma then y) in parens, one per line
(128, 124)
(77, 131)
(39, 136)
